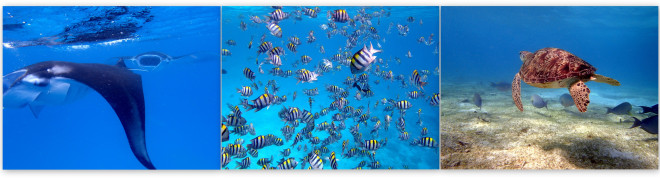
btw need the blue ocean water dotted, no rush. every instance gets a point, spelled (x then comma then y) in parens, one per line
(181, 97)
(481, 46)
(621, 42)
(396, 154)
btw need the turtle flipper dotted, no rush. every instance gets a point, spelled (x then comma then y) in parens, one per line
(604, 79)
(515, 91)
(580, 93)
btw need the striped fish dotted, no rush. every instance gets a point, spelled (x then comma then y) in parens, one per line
(292, 47)
(278, 15)
(324, 68)
(343, 94)
(351, 152)
(234, 110)
(401, 125)
(241, 155)
(293, 114)
(363, 117)
(369, 93)
(339, 15)
(362, 164)
(287, 130)
(315, 161)
(243, 130)
(322, 126)
(287, 73)
(246, 91)
(225, 52)
(267, 167)
(435, 99)
(235, 149)
(314, 140)
(295, 40)
(337, 117)
(362, 59)
(344, 145)
(249, 74)
(414, 94)
(225, 133)
(274, 29)
(417, 80)
(324, 150)
(305, 59)
(276, 51)
(333, 88)
(374, 165)
(298, 138)
(254, 153)
(424, 131)
(427, 142)
(286, 152)
(263, 101)
(402, 105)
(306, 76)
(371, 145)
(290, 163)
(233, 120)
(265, 47)
(276, 71)
(410, 19)
(333, 160)
(265, 161)
(278, 142)
(225, 159)
(275, 60)
(404, 136)
(255, 19)
(337, 57)
(376, 127)
(258, 142)
(373, 30)
(310, 12)
(363, 78)
(245, 163)
(307, 117)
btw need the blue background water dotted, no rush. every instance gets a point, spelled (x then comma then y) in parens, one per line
(182, 100)
(481, 44)
(397, 153)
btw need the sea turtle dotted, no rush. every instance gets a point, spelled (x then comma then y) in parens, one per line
(557, 68)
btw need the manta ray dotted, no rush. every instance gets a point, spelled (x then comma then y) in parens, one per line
(56, 82)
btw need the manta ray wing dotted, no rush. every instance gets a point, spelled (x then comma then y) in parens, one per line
(123, 91)
(121, 88)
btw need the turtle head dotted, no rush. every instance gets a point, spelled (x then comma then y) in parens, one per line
(524, 55)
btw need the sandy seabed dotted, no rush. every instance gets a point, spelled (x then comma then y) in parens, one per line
(499, 136)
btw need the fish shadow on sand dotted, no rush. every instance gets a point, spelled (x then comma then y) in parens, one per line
(596, 153)
(483, 116)
(652, 139)
(544, 115)
(577, 114)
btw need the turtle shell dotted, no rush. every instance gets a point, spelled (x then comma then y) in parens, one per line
(550, 65)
